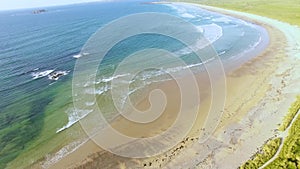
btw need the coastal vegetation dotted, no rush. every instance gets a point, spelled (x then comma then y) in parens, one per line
(295, 107)
(287, 11)
(264, 155)
(289, 155)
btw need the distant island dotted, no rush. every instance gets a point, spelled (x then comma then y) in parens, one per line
(39, 11)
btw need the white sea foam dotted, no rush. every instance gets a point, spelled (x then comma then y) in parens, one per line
(187, 15)
(89, 103)
(228, 20)
(52, 159)
(97, 91)
(113, 77)
(74, 115)
(222, 19)
(80, 55)
(222, 53)
(77, 56)
(150, 74)
(182, 11)
(37, 75)
(200, 29)
(248, 50)
(180, 68)
(87, 84)
(212, 32)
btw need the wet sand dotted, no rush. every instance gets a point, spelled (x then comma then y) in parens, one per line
(91, 155)
(258, 95)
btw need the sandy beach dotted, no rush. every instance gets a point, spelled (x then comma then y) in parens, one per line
(259, 93)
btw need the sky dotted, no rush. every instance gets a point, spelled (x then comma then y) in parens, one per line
(19, 4)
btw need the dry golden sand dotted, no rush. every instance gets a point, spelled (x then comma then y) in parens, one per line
(254, 93)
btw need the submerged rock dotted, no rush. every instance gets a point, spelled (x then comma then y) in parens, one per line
(57, 74)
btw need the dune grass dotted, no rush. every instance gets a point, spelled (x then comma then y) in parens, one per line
(295, 107)
(287, 10)
(265, 154)
(289, 156)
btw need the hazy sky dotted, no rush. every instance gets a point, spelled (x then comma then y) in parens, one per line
(18, 4)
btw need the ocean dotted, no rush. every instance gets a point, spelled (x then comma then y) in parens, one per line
(36, 109)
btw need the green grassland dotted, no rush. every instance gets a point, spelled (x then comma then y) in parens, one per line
(283, 10)
(290, 154)
(265, 154)
(289, 157)
(295, 107)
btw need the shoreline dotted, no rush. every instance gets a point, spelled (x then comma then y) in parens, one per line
(260, 121)
(89, 147)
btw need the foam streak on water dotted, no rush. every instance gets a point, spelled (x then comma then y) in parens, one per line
(36, 75)
(74, 116)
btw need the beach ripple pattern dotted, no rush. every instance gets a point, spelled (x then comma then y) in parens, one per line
(101, 131)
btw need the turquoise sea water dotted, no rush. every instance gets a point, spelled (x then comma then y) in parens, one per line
(32, 46)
